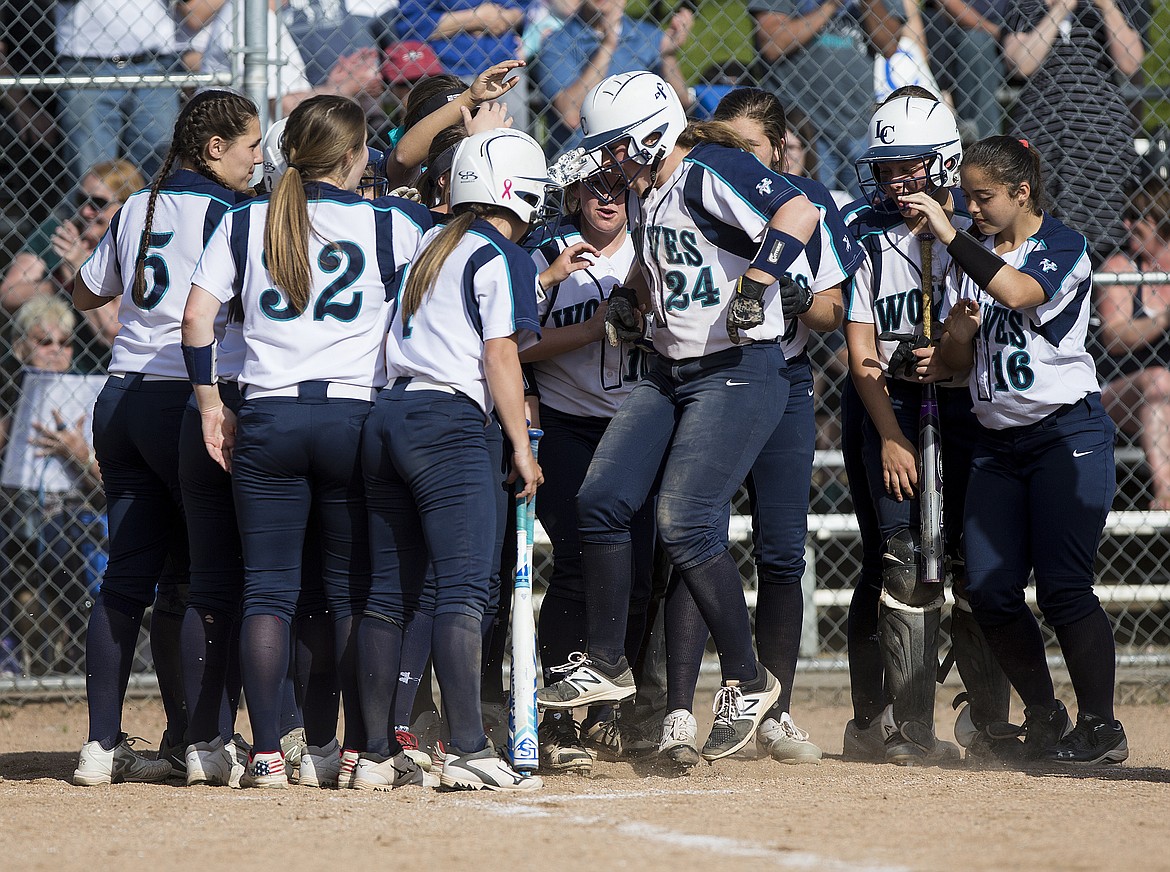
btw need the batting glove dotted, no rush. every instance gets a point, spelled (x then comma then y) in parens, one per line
(795, 298)
(746, 309)
(903, 362)
(623, 322)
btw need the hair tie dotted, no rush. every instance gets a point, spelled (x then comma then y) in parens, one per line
(1024, 143)
(293, 166)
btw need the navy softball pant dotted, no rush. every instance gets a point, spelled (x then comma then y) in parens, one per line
(699, 425)
(565, 453)
(136, 423)
(431, 466)
(1037, 502)
(297, 457)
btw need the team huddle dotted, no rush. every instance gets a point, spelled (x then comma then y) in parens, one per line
(321, 396)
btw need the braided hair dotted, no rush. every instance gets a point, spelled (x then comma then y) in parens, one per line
(210, 113)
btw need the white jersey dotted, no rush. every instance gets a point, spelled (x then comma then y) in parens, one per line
(109, 28)
(594, 380)
(1031, 362)
(832, 253)
(887, 290)
(486, 289)
(357, 250)
(696, 235)
(187, 210)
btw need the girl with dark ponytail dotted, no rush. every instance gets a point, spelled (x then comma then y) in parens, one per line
(1042, 475)
(146, 259)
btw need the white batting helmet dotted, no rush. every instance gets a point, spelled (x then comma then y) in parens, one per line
(503, 168)
(915, 127)
(640, 107)
(275, 163)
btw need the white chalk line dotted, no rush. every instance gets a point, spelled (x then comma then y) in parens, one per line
(531, 807)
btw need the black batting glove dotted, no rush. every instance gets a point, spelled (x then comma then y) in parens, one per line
(746, 309)
(623, 321)
(795, 298)
(903, 362)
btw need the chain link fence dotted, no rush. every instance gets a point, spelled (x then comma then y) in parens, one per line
(90, 89)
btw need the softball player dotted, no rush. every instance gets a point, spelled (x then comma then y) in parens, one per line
(147, 258)
(714, 230)
(312, 265)
(1043, 475)
(582, 381)
(894, 614)
(430, 450)
(779, 481)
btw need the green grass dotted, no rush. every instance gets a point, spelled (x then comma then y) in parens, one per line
(723, 30)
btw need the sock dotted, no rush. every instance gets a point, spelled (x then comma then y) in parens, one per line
(867, 674)
(345, 649)
(206, 637)
(291, 700)
(1089, 655)
(416, 651)
(316, 675)
(233, 685)
(166, 650)
(779, 620)
(1019, 648)
(264, 655)
(424, 697)
(560, 631)
(456, 649)
(717, 589)
(109, 655)
(609, 570)
(379, 650)
(495, 642)
(686, 640)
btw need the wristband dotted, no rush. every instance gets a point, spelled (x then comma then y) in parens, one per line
(750, 288)
(777, 253)
(200, 364)
(980, 264)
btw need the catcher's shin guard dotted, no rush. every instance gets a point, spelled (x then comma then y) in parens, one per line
(982, 726)
(908, 623)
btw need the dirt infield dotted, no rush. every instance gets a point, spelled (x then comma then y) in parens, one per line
(737, 814)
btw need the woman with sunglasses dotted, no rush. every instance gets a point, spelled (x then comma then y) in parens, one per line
(55, 251)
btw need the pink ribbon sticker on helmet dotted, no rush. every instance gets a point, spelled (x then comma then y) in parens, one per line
(507, 195)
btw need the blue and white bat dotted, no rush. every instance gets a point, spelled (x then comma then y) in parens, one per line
(523, 747)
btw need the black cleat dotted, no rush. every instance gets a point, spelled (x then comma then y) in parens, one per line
(1093, 741)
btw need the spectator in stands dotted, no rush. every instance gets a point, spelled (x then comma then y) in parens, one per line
(542, 19)
(325, 31)
(965, 56)
(1074, 56)
(30, 163)
(117, 38)
(469, 36)
(53, 537)
(209, 27)
(818, 55)
(1135, 333)
(910, 62)
(600, 41)
(57, 249)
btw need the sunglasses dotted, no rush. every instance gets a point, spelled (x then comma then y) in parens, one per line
(49, 341)
(82, 199)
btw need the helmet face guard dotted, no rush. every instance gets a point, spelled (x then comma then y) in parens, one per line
(374, 182)
(928, 178)
(610, 176)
